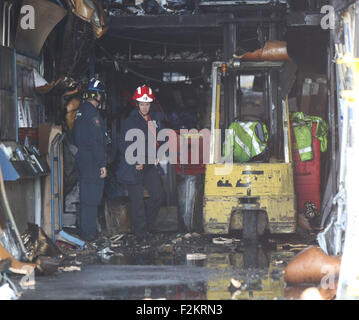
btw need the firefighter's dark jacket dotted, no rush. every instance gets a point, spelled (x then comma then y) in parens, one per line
(127, 173)
(89, 135)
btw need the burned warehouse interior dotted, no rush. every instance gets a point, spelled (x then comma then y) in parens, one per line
(178, 149)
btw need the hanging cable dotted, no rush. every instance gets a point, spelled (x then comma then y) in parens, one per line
(157, 80)
(175, 44)
(164, 42)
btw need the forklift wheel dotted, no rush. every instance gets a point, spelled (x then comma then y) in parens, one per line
(250, 226)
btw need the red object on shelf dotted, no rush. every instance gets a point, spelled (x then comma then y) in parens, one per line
(307, 174)
(189, 169)
(32, 133)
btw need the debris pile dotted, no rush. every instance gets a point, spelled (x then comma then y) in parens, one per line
(186, 247)
(150, 7)
(198, 56)
(37, 243)
(44, 258)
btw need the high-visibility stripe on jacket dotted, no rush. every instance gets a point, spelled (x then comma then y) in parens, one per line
(303, 136)
(249, 140)
(302, 127)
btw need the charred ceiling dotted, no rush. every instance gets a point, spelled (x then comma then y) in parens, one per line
(141, 40)
(167, 30)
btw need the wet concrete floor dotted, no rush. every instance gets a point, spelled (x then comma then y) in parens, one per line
(166, 270)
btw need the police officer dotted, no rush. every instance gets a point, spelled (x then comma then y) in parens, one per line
(142, 175)
(90, 138)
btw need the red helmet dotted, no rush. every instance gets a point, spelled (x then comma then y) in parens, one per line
(144, 94)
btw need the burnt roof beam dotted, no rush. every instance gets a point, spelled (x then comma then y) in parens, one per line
(121, 23)
(153, 22)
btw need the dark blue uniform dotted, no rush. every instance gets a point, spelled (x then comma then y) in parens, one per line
(143, 214)
(90, 138)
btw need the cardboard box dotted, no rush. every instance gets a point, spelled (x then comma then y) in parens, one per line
(306, 96)
(47, 132)
(314, 96)
(293, 105)
(319, 103)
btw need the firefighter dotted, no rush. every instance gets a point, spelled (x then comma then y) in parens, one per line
(90, 138)
(142, 174)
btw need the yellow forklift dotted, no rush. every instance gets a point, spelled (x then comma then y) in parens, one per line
(257, 196)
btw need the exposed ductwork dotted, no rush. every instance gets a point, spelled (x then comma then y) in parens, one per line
(6, 24)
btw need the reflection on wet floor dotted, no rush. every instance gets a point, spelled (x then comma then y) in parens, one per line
(256, 273)
(142, 259)
(195, 291)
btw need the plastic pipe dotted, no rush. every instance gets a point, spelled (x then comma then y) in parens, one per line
(59, 179)
(9, 24)
(4, 22)
(38, 201)
(53, 143)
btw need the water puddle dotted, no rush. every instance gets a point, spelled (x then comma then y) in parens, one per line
(252, 273)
